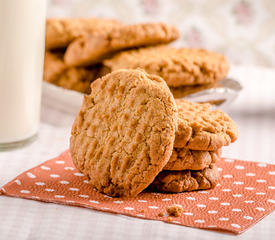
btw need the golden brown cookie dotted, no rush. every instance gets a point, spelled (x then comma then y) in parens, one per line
(61, 31)
(77, 79)
(73, 78)
(183, 158)
(186, 181)
(53, 65)
(95, 47)
(123, 135)
(177, 66)
(204, 129)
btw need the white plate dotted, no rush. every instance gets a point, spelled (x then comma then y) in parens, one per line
(61, 99)
(226, 92)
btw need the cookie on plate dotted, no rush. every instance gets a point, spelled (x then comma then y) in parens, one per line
(186, 181)
(72, 78)
(77, 78)
(177, 66)
(53, 65)
(95, 47)
(61, 31)
(183, 158)
(204, 129)
(124, 133)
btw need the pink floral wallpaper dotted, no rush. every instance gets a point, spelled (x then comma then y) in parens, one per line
(243, 30)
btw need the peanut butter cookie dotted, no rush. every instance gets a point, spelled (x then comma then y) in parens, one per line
(204, 129)
(72, 78)
(187, 180)
(60, 32)
(53, 65)
(123, 135)
(183, 158)
(177, 66)
(95, 47)
(77, 79)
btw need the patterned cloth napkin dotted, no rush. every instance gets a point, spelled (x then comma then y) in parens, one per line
(244, 196)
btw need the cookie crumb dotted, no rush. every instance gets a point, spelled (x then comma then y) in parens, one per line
(160, 214)
(169, 219)
(174, 210)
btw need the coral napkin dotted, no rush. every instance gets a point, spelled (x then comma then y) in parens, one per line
(244, 196)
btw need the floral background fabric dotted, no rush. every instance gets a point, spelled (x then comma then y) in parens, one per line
(243, 30)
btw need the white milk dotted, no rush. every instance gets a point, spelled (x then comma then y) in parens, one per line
(22, 29)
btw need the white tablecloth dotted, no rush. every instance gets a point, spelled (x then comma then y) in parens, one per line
(254, 112)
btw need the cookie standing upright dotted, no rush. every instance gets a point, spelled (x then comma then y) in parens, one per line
(123, 135)
(177, 66)
(95, 47)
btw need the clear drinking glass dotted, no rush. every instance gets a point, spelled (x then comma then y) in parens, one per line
(22, 38)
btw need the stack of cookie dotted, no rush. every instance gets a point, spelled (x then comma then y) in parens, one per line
(201, 134)
(131, 134)
(59, 34)
(80, 50)
(75, 48)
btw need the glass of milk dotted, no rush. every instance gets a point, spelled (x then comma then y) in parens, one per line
(22, 37)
